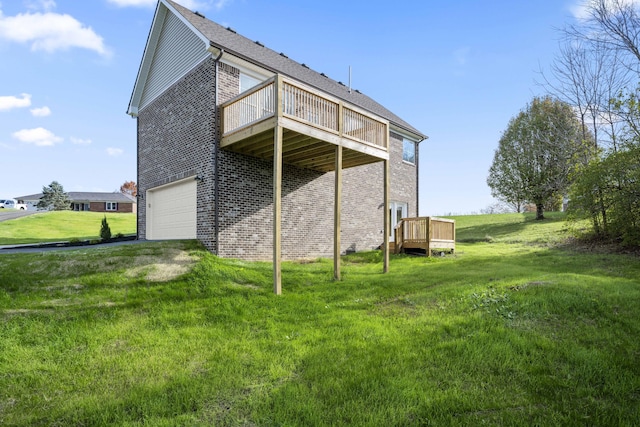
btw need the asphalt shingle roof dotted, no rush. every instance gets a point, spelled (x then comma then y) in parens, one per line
(249, 50)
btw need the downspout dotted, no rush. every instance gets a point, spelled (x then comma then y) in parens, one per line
(418, 177)
(216, 147)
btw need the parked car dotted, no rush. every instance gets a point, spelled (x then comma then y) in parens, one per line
(12, 204)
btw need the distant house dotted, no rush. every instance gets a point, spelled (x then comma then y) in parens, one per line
(89, 201)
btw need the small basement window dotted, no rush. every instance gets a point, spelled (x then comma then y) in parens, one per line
(111, 206)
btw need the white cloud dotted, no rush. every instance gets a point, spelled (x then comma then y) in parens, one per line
(10, 102)
(189, 4)
(46, 5)
(221, 4)
(134, 3)
(80, 141)
(50, 32)
(114, 151)
(580, 9)
(39, 137)
(41, 112)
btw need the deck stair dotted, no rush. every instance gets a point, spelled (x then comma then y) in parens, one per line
(426, 233)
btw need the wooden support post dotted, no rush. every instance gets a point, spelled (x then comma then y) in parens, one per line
(387, 219)
(429, 231)
(337, 210)
(277, 194)
(277, 210)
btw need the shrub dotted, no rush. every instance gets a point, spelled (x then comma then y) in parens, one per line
(105, 231)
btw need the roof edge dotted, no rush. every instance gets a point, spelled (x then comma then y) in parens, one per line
(162, 8)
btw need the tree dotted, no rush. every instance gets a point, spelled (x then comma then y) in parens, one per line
(497, 208)
(505, 180)
(105, 230)
(587, 74)
(615, 23)
(594, 73)
(614, 183)
(537, 154)
(130, 188)
(54, 197)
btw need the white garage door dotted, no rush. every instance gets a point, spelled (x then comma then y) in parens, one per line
(171, 211)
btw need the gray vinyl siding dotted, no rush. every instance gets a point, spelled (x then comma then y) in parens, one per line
(179, 50)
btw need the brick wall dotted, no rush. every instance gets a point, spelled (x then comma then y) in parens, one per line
(246, 197)
(363, 197)
(122, 207)
(176, 141)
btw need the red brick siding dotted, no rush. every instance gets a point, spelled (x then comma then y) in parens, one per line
(101, 207)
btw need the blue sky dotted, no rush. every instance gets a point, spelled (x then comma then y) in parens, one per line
(456, 70)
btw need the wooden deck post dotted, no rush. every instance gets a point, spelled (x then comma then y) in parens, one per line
(387, 220)
(337, 211)
(277, 195)
(429, 235)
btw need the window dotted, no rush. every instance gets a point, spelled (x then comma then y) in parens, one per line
(408, 151)
(247, 82)
(111, 206)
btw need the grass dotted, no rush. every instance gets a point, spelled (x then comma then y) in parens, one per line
(166, 334)
(63, 226)
(515, 228)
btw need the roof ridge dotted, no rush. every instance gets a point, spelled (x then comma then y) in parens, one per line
(266, 57)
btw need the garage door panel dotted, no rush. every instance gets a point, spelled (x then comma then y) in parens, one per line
(172, 211)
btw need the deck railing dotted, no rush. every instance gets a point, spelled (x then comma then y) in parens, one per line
(304, 105)
(426, 233)
(363, 128)
(256, 105)
(310, 107)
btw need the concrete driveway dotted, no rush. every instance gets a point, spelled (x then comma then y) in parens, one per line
(7, 214)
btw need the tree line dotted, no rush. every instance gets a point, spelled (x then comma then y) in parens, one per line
(581, 141)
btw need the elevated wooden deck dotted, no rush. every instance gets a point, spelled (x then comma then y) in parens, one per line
(313, 124)
(427, 233)
(288, 122)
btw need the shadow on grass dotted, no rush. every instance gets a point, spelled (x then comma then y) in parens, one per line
(487, 232)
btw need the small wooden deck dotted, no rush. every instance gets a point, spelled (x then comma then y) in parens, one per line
(427, 233)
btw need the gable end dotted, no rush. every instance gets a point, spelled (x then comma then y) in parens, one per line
(174, 48)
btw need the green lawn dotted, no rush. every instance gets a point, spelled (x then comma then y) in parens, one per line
(63, 226)
(515, 228)
(166, 334)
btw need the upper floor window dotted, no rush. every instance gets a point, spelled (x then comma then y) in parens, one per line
(247, 82)
(409, 151)
(111, 206)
